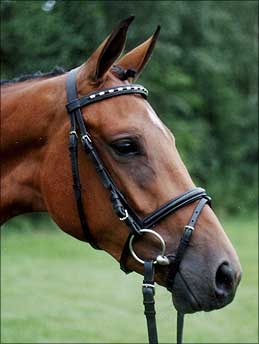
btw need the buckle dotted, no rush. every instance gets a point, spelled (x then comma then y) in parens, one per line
(190, 228)
(73, 132)
(123, 218)
(86, 137)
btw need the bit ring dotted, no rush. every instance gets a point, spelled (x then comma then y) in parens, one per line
(144, 230)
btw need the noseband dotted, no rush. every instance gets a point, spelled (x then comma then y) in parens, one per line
(137, 226)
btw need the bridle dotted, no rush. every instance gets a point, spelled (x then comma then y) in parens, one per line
(137, 226)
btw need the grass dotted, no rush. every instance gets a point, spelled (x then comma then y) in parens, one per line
(55, 289)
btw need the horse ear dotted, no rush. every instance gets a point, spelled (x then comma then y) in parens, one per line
(135, 60)
(106, 54)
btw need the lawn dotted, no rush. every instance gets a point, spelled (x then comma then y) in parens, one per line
(55, 289)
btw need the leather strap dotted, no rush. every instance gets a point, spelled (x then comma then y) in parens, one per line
(180, 324)
(173, 205)
(160, 213)
(184, 242)
(124, 256)
(106, 93)
(74, 109)
(148, 290)
(73, 149)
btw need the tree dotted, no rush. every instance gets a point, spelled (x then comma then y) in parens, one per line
(203, 75)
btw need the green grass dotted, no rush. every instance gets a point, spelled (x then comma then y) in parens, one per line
(56, 289)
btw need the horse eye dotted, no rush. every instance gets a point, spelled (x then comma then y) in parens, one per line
(126, 147)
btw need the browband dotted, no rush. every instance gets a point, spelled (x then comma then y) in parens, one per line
(106, 93)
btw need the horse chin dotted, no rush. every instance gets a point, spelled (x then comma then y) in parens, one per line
(183, 298)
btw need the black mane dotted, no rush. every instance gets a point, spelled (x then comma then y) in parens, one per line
(55, 71)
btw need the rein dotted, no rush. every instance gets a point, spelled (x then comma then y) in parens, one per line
(137, 226)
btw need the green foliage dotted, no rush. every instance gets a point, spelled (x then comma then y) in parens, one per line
(203, 76)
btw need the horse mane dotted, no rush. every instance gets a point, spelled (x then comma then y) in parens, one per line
(54, 72)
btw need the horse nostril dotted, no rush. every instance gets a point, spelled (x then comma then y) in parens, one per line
(225, 280)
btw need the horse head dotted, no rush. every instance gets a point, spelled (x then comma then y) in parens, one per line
(139, 152)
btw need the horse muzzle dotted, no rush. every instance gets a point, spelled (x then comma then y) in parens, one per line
(190, 295)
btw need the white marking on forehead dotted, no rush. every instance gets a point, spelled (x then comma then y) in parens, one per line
(156, 121)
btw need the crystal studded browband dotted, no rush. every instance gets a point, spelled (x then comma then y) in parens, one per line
(106, 93)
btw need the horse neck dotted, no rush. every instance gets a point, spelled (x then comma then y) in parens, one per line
(29, 114)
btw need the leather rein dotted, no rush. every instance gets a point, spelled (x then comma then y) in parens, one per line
(137, 226)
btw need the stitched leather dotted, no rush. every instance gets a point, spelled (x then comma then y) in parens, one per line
(184, 242)
(173, 205)
(106, 93)
(73, 146)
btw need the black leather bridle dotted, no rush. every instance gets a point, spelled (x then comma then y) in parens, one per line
(137, 226)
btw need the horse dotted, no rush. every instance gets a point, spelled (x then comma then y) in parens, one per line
(131, 194)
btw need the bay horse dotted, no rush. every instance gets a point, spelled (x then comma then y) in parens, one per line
(131, 194)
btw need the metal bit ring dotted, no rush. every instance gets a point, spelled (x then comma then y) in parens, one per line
(151, 232)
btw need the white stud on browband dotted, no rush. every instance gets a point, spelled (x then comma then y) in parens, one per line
(120, 89)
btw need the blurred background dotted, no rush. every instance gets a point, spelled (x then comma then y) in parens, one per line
(203, 83)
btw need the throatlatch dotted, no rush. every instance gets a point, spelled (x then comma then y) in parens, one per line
(122, 209)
